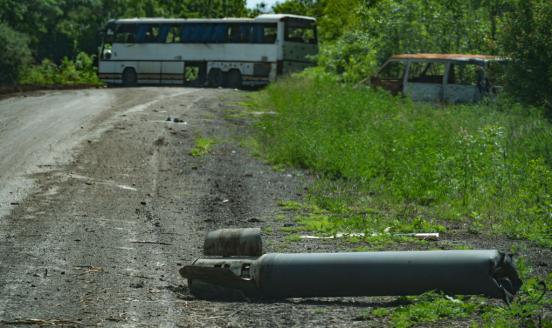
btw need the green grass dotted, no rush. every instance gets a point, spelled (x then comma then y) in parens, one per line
(202, 146)
(384, 161)
(525, 311)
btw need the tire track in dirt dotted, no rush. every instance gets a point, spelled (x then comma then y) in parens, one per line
(114, 226)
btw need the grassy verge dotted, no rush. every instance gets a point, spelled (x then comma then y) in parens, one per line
(385, 167)
(385, 162)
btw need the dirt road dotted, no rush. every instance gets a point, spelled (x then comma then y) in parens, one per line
(103, 204)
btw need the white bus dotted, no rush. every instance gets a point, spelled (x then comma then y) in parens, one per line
(229, 52)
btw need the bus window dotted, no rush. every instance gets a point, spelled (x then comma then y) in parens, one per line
(148, 33)
(263, 33)
(186, 33)
(240, 33)
(169, 34)
(152, 33)
(207, 33)
(195, 33)
(126, 33)
(246, 33)
(219, 33)
(300, 32)
(269, 33)
(234, 33)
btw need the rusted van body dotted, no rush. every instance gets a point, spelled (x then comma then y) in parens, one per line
(451, 78)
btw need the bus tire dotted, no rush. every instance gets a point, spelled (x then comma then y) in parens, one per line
(215, 78)
(234, 79)
(129, 77)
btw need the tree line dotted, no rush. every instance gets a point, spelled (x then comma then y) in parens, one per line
(356, 35)
(34, 30)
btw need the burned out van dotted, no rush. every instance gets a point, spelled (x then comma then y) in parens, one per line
(451, 78)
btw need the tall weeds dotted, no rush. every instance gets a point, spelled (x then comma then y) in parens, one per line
(488, 164)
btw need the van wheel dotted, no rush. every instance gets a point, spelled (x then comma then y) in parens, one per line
(129, 77)
(234, 79)
(215, 78)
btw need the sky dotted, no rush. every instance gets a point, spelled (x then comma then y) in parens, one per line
(253, 3)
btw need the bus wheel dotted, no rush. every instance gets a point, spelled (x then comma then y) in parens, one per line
(215, 78)
(234, 79)
(129, 76)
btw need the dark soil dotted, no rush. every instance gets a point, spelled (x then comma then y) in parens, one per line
(101, 240)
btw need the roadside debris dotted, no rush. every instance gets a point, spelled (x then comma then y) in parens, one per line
(233, 242)
(235, 270)
(433, 236)
(452, 78)
(175, 120)
(149, 242)
(137, 285)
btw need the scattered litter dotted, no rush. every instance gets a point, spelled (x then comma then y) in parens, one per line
(263, 113)
(127, 187)
(89, 269)
(424, 236)
(149, 242)
(175, 120)
(90, 181)
(137, 285)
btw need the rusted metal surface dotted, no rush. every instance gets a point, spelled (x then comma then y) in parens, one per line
(458, 93)
(233, 242)
(424, 91)
(446, 57)
(443, 87)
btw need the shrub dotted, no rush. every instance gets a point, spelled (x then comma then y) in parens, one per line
(527, 40)
(488, 163)
(14, 54)
(80, 71)
(352, 57)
